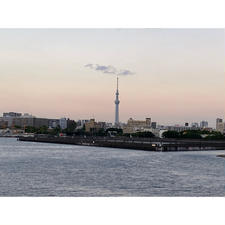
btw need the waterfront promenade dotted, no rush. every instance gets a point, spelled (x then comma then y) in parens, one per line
(147, 144)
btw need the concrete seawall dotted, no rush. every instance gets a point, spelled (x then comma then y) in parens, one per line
(145, 144)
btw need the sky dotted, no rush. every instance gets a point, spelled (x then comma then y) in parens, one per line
(171, 75)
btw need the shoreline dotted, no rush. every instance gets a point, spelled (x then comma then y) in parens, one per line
(144, 144)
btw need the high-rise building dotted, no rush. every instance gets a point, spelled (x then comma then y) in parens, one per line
(63, 123)
(203, 124)
(117, 102)
(9, 116)
(218, 121)
(154, 125)
(220, 125)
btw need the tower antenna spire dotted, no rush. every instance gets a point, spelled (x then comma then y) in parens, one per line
(117, 102)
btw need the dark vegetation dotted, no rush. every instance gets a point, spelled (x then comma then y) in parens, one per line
(113, 132)
(194, 134)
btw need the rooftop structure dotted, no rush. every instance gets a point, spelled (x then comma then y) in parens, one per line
(12, 114)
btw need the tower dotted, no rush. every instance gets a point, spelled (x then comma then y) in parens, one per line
(117, 102)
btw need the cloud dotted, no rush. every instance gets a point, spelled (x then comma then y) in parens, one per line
(109, 69)
(89, 65)
(125, 72)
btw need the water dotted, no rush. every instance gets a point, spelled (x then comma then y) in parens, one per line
(40, 169)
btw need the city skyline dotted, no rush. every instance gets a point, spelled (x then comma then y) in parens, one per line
(174, 75)
(188, 124)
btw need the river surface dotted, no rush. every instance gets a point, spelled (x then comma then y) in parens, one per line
(40, 169)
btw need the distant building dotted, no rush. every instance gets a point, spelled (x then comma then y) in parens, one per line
(12, 114)
(154, 125)
(40, 122)
(72, 125)
(203, 124)
(27, 115)
(108, 125)
(218, 121)
(80, 123)
(177, 128)
(63, 123)
(3, 124)
(22, 122)
(139, 123)
(133, 126)
(9, 116)
(30, 121)
(8, 120)
(195, 125)
(53, 123)
(220, 125)
(92, 126)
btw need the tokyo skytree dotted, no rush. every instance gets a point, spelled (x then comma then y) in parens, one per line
(117, 102)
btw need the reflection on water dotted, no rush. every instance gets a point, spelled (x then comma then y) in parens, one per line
(40, 169)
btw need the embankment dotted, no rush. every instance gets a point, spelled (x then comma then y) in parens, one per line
(146, 144)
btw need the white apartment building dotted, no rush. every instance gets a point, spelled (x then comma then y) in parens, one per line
(220, 125)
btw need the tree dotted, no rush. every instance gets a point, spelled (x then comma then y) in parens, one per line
(115, 131)
(81, 131)
(55, 131)
(43, 130)
(145, 134)
(171, 134)
(101, 132)
(215, 136)
(191, 134)
(30, 129)
(71, 126)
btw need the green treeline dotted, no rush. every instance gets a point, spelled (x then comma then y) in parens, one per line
(194, 134)
(112, 132)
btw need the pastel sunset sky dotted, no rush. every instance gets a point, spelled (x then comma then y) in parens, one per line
(171, 75)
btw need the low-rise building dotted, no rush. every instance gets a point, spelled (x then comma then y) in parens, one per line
(92, 126)
(30, 122)
(194, 125)
(3, 124)
(22, 122)
(134, 126)
(10, 117)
